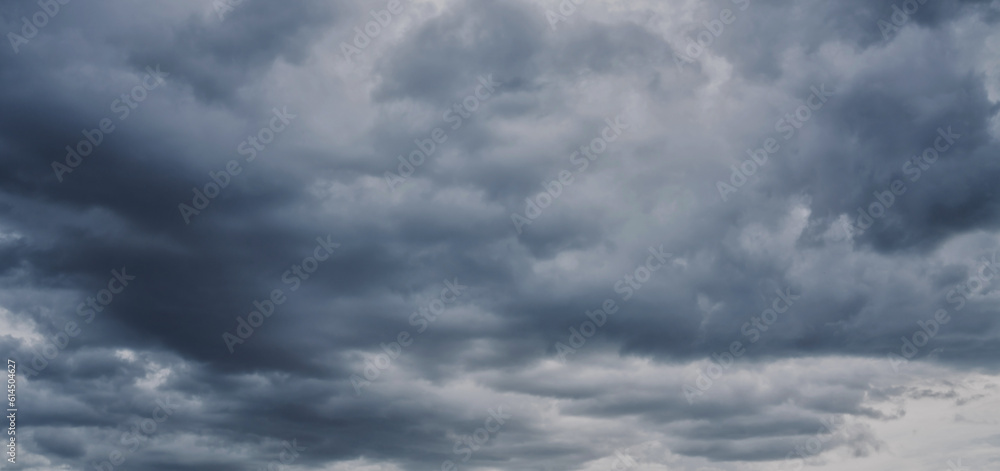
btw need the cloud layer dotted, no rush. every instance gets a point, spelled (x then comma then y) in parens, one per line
(654, 235)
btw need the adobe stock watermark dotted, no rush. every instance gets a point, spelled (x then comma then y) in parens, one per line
(287, 456)
(466, 445)
(293, 276)
(367, 33)
(224, 7)
(956, 465)
(11, 445)
(249, 147)
(929, 328)
(832, 427)
(899, 17)
(706, 37)
(121, 106)
(582, 158)
(626, 287)
(38, 20)
(422, 318)
(563, 11)
(787, 126)
(139, 433)
(88, 309)
(885, 199)
(623, 461)
(624, 458)
(457, 115)
(720, 362)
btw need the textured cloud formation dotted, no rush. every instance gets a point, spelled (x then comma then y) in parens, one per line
(502, 235)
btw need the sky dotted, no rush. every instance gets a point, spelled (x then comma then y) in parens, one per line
(497, 235)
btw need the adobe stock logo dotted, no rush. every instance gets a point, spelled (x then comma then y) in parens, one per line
(626, 287)
(249, 147)
(788, 126)
(899, 17)
(885, 199)
(52, 346)
(123, 106)
(29, 28)
(466, 445)
(262, 310)
(582, 158)
(287, 456)
(566, 9)
(140, 433)
(720, 362)
(459, 113)
(707, 36)
(422, 318)
(371, 30)
(979, 280)
(223, 7)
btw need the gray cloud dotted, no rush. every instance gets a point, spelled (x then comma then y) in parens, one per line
(827, 357)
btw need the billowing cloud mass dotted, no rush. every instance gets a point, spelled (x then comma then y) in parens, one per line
(501, 234)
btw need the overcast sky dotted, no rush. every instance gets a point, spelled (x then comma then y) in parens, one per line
(401, 235)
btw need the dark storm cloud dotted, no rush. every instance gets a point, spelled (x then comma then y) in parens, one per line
(161, 339)
(215, 59)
